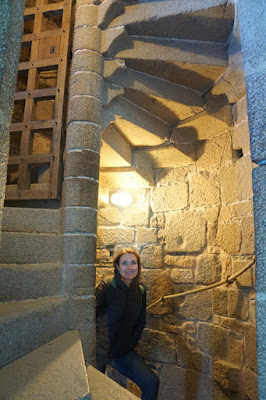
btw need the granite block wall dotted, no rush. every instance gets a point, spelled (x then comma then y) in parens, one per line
(193, 228)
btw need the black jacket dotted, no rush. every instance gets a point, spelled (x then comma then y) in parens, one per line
(121, 315)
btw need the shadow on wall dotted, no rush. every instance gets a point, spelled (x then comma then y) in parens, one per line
(174, 73)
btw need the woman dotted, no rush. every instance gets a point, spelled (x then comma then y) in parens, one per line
(121, 314)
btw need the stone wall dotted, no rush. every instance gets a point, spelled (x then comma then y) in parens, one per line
(194, 228)
(11, 26)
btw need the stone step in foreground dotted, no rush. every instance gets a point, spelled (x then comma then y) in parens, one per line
(29, 281)
(28, 324)
(104, 388)
(54, 371)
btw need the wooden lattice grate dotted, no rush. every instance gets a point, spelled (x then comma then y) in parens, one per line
(37, 120)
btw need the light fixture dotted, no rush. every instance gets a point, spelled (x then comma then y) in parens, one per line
(121, 198)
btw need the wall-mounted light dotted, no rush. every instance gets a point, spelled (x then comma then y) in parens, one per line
(121, 198)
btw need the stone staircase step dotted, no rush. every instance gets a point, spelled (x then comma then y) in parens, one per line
(28, 324)
(16, 219)
(104, 388)
(30, 236)
(208, 20)
(29, 281)
(30, 248)
(55, 370)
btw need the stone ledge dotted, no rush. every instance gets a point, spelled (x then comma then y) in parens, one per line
(28, 324)
(104, 388)
(56, 370)
(29, 281)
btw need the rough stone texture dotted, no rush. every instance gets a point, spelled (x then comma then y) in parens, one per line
(212, 340)
(79, 249)
(10, 42)
(80, 192)
(116, 151)
(79, 280)
(201, 362)
(214, 152)
(103, 274)
(157, 221)
(83, 108)
(186, 382)
(219, 298)
(185, 231)
(83, 135)
(157, 346)
(86, 83)
(125, 179)
(170, 198)
(237, 304)
(208, 270)
(197, 306)
(146, 235)
(248, 235)
(87, 38)
(230, 184)
(79, 219)
(115, 235)
(244, 167)
(234, 325)
(84, 321)
(108, 11)
(172, 176)
(109, 216)
(204, 189)
(86, 15)
(87, 60)
(104, 388)
(29, 281)
(229, 237)
(227, 375)
(152, 256)
(248, 277)
(241, 139)
(17, 248)
(30, 323)
(259, 188)
(261, 344)
(157, 282)
(180, 261)
(56, 370)
(82, 163)
(31, 220)
(183, 352)
(182, 275)
(113, 39)
(236, 352)
(166, 157)
(255, 83)
(240, 111)
(250, 347)
(250, 381)
(136, 215)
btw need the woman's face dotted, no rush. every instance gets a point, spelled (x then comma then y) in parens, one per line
(128, 267)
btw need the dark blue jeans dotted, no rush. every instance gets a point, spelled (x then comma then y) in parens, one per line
(133, 367)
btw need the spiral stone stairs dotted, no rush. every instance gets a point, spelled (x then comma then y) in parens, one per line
(171, 72)
(169, 80)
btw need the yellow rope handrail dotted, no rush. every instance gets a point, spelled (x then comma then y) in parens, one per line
(228, 280)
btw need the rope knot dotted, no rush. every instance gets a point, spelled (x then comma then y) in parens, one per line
(229, 281)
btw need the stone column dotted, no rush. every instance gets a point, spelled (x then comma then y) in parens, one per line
(81, 176)
(11, 27)
(252, 18)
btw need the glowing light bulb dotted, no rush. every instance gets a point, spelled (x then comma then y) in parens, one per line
(121, 199)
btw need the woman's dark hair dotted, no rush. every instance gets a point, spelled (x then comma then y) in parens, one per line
(117, 259)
